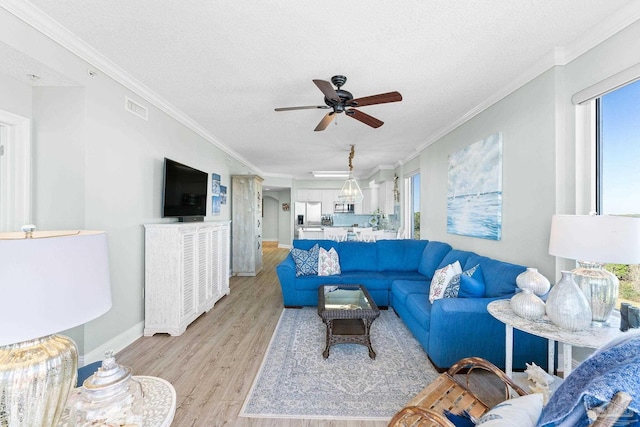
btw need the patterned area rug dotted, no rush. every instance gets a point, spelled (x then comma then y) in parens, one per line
(294, 380)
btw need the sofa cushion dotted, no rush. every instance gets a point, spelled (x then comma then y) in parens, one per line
(370, 279)
(307, 244)
(499, 276)
(456, 255)
(432, 256)
(399, 255)
(441, 280)
(306, 261)
(306, 283)
(472, 286)
(401, 289)
(402, 275)
(328, 262)
(420, 309)
(357, 256)
(453, 287)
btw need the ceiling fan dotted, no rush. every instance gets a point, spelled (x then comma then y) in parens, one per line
(340, 101)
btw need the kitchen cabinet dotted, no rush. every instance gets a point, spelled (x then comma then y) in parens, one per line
(370, 200)
(329, 197)
(385, 197)
(309, 195)
(246, 225)
(186, 273)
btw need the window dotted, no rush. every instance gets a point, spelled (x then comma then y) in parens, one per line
(618, 170)
(412, 205)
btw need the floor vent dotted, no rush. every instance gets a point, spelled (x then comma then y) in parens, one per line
(135, 108)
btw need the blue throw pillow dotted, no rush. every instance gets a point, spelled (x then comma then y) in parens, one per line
(306, 261)
(460, 420)
(455, 284)
(472, 286)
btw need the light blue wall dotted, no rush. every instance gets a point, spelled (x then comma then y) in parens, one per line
(526, 119)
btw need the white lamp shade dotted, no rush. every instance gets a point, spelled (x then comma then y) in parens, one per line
(51, 282)
(596, 238)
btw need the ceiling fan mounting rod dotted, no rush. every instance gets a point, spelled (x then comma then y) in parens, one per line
(338, 81)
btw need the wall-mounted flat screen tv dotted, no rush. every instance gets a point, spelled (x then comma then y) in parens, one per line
(185, 191)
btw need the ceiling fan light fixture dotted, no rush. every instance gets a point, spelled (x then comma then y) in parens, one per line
(350, 192)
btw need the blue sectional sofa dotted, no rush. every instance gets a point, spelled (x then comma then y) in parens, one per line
(398, 273)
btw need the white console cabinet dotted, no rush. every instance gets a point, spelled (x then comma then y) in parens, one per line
(186, 273)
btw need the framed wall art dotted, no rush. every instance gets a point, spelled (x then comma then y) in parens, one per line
(474, 189)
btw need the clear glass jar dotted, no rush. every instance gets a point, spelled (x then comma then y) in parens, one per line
(110, 397)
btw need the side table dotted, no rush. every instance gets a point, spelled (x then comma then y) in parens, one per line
(592, 337)
(159, 403)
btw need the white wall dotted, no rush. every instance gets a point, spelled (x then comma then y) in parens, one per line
(59, 157)
(15, 97)
(98, 166)
(270, 220)
(527, 122)
(546, 157)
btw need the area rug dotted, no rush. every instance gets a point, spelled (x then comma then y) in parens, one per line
(295, 381)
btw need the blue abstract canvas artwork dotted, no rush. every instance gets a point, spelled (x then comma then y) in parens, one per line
(474, 190)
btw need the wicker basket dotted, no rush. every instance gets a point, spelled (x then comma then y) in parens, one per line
(447, 394)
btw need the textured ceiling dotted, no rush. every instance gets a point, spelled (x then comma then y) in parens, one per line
(228, 64)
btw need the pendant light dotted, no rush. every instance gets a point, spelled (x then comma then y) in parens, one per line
(350, 192)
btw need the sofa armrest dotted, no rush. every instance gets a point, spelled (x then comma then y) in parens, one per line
(462, 327)
(460, 324)
(286, 271)
(461, 306)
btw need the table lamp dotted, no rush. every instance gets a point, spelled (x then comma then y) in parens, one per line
(595, 240)
(49, 282)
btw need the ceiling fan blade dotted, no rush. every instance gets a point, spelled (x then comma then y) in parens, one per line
(364, 118)
(382, 98)
(310, 107)
(327, 89)
(326, 120)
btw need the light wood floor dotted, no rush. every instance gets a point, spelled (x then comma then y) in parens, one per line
(212, 365)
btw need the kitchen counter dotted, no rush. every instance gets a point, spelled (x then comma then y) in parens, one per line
(317, 232)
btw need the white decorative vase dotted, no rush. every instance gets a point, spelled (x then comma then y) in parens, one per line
(528, 305)
(567, 306)
(532, 279)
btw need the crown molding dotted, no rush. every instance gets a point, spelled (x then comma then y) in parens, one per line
(607, 28)
(558, 56)
(43, 23)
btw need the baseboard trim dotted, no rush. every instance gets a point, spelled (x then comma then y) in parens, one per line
(281, 246)
(116, 344)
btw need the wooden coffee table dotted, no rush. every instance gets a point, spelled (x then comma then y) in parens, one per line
(348, 311)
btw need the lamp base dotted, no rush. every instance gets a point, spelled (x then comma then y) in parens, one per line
(601, 289)
(36, 377)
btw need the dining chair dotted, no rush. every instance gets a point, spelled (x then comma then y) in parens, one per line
(336, 234)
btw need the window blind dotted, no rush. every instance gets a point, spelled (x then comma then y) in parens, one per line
(607, 85)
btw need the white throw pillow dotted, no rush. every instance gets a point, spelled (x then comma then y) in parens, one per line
(522, 411)
(328, 262)
(441, 279)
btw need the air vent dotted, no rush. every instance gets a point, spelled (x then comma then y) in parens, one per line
(135, 108)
